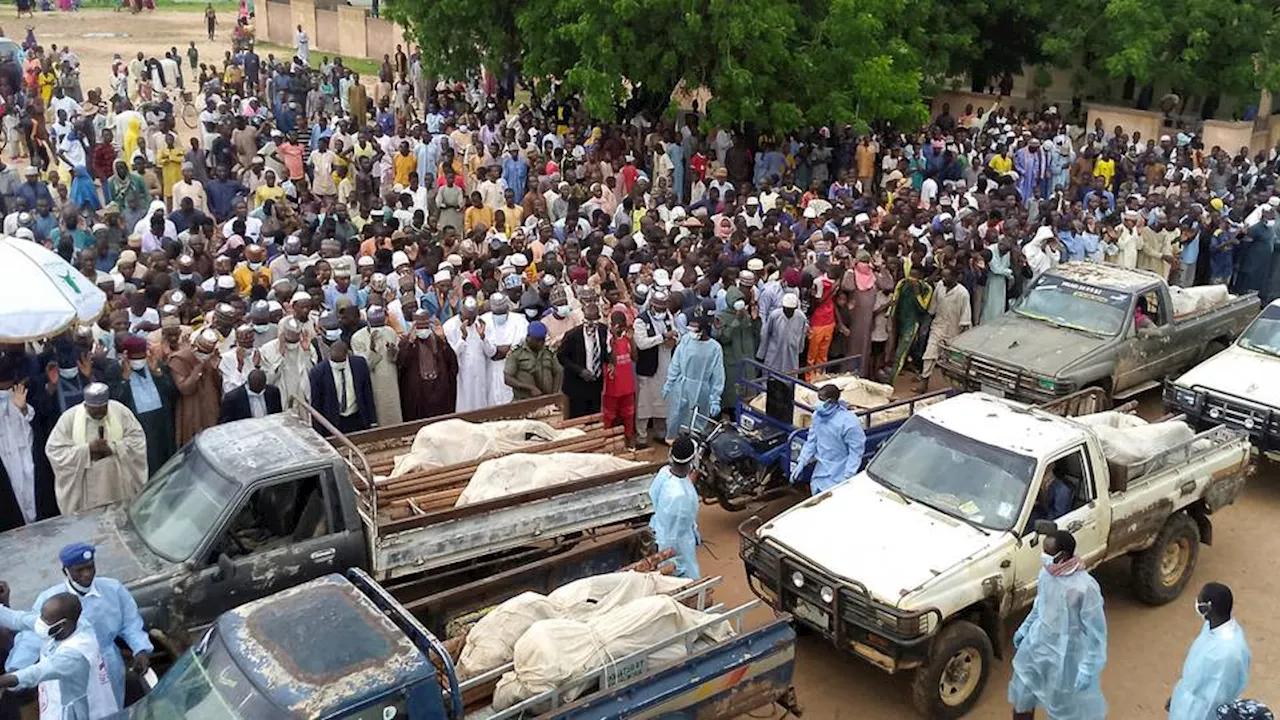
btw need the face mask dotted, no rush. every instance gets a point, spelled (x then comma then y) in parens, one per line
(500, 320)
(339, 365)
(562, 311)
(69, 373)
(692, 332)
(255, 266)
(1202, 609)
(830, 404)
(290, 344)
(739, 305)
(531, 313)
(332, 334)
(261, 328)
(202, 356)
(44, 629)
(1046, 559)
(422, 333)
(185, 276)
(138, 364)
(293, 259)
(82, 589)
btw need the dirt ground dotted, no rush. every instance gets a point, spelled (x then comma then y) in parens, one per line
(1146, 646)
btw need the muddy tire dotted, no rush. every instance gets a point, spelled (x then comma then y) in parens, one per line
(950, 683)
(1162, 571)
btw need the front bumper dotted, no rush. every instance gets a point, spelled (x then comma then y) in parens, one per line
(843, 613)
(1206, 407)
(968, 372)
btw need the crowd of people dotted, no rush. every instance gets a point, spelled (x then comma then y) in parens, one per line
(396, 248)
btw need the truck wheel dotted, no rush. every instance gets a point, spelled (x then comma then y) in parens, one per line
(959, 664)
(1162, 571)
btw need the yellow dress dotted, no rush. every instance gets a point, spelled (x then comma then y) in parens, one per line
(47, 81)
(129, 143)
(170, 162)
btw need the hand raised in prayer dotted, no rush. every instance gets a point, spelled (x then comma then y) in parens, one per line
(480, 328)
(257, 358)
(86, 366)
(240, 353)
(437, 329)
(18, 397)
(154, 357)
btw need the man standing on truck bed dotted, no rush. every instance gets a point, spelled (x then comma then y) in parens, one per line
(835, 443)
(1061, 647)
(109, 609)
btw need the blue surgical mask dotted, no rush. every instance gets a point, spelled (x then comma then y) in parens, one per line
(332, 334)
(562, 311)
(1046, 559)
(69, 373)
(500, 320)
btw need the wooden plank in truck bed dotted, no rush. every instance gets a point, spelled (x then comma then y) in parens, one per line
(413, 545)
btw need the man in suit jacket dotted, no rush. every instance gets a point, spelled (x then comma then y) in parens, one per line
(342, 390)
(253, 399)
(583, 353)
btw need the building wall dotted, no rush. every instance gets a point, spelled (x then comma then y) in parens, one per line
(327, 32)
(346, 30)
(1143, 121)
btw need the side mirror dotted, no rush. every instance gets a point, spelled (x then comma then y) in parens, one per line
(1151, 333)
(1042, 527)
(226, 569)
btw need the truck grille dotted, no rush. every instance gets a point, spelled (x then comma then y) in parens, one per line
(985, 372)
(1252, 419)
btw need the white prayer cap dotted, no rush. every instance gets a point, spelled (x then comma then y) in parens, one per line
(454, 259)
(274, 306)
(634, 269)
(399, 258)
(755, 265)
(661, 278)
(499, 303)
(790, 300)
(441, 276)
(607, 251)
(365, 261)
(861, 218)
(300, 295)
(226, 282)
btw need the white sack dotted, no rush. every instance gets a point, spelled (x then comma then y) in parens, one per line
(523, 472)
(859, 393)
(449, 442)
(1132, 445)
(552, 652)
(1111, 419)
(1187, 301)
(491, 641)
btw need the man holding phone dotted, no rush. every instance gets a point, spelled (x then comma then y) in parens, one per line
(98, 451)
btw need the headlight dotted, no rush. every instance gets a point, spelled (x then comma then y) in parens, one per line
(1185, 397)
(1047, 384)
(926, 623)
(797, 579)
(1248, 423)
(827, 594)
(1215, 413)
(956, 356)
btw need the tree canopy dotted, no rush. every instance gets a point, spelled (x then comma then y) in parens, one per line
(784, 64)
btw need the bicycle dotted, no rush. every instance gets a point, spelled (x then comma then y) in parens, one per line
(190, 113)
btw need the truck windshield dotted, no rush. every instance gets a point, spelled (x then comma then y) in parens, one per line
(954, 474)
(205, 684)
(1263, 334)
(1074, 305)
(176, 508)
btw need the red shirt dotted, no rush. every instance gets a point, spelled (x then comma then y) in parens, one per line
(825, 313)
(621, 381)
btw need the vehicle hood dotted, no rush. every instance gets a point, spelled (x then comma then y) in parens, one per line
(1021, 342)
(865, 533)
(120, 553)
(1236, 371)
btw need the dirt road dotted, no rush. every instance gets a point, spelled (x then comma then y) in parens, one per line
(1146, 646)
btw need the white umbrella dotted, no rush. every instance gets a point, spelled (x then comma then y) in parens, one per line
(41, 294)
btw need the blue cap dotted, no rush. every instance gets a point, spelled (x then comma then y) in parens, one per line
(537, 330)
(76, 554)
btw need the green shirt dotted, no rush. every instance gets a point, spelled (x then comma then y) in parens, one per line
(539, 368)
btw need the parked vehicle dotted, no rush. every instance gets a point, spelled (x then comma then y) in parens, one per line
(920, 562)
(1239, 386)
(752, 459)
(1076, 329)
(343, 647)
(253, 507)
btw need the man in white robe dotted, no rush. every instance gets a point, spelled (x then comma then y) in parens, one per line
(377, 343)
(16, 436)
(504, 330)
(98, 452)
(952, 314)
(467, 335)
(288, 361)
(783, 335)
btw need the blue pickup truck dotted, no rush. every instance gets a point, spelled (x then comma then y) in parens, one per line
(342, 647)
(750, 460)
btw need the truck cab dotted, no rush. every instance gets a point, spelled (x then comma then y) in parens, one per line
(919, 561)
(244, 510)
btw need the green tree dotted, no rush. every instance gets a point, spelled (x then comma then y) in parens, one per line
(779, 65)
(1198, 46)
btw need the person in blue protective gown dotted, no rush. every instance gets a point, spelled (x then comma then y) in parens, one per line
(835, 443)
(675, 509)
(70, 673)
(1216, 670)
(1061, 647)
(106, 605)
(695, 378)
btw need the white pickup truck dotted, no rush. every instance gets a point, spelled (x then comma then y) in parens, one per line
(921, 561)
(1239, 386)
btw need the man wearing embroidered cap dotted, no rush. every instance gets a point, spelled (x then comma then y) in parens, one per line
(195, 373)
(505, 330)
(109, 608)
(98, 452)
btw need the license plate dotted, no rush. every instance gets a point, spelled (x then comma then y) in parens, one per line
(992, 391)
(806, 611)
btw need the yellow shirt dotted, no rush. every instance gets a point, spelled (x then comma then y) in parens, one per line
(1105, 169)
(245, 278)
(512, 216)
(474, 216)
(1001, 164)
(264, 193)
(402, 167)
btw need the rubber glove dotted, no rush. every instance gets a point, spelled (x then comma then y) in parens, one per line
(1083, 682)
